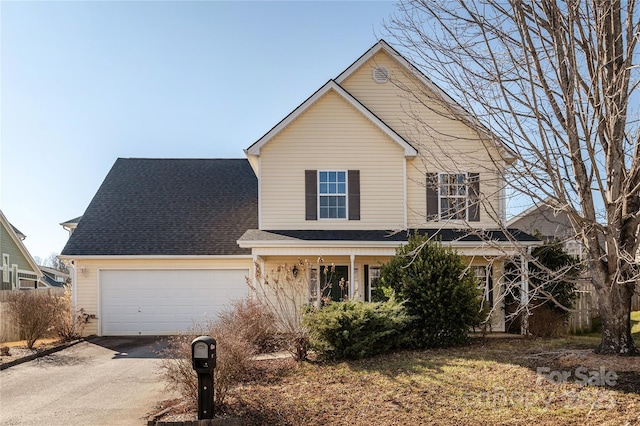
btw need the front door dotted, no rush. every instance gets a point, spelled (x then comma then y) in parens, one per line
(336, 283)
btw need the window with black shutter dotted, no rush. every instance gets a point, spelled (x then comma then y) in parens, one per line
(332, 194)
(453, 196)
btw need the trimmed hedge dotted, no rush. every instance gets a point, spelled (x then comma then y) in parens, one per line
(352, 330)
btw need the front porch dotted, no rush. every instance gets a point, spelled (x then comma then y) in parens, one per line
(340, 265)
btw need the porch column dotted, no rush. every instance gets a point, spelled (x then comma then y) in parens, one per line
(257, 262)
(352, 276)
(524, 293)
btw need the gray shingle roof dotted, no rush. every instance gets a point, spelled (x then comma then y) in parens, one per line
(169, 207)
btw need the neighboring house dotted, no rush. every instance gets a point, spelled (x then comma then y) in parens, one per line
(19, 270)
(549, 224)
(70, 225)
(168, 242)
(53, 278)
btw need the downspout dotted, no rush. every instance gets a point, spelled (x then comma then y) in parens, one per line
(71, 264)
(404, 190)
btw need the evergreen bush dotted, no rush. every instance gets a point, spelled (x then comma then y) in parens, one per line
(352, 330)
(441, 294)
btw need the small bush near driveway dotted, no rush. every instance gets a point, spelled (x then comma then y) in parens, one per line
(234, 352)
(35, 312)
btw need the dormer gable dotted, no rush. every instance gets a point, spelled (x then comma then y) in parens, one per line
(330, 86)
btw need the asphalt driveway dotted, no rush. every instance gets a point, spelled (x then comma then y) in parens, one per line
(107, 381)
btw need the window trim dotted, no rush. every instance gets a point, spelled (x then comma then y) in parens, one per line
(466, 197)
(372, 278)
(14, 276)
(345, 195)
(5, 268)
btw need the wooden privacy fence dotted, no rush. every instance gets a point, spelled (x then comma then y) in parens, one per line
(586, 306)
(8, 330)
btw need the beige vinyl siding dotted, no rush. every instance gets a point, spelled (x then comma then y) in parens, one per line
(87, 289)
(444, 144)
(332, 135)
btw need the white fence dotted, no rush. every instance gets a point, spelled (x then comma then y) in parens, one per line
(8, 330)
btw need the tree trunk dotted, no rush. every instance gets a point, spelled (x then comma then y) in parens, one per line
(614, 305)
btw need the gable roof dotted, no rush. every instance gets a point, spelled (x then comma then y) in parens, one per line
(506, 152)
(179, 207)
(18, 232)
(71, 222)
(15, 236)
(332, 85)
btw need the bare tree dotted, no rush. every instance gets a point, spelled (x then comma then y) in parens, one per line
(53, 262)
(556, 82)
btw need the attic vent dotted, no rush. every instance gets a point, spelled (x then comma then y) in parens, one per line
(381, 74)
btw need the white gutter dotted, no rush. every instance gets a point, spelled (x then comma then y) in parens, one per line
(150, 257)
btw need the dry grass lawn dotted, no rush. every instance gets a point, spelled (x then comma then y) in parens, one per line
(491, 382)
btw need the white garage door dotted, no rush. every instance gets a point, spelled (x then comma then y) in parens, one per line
(156, 302)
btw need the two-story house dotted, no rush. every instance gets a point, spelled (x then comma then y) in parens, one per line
(19, 269)
(375, 153)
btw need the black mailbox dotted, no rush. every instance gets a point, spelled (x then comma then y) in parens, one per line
(203, 353)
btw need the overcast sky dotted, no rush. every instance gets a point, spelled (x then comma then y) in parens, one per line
(83, 83)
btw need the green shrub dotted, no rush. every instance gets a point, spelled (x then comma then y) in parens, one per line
(440, 293)
(352, 330)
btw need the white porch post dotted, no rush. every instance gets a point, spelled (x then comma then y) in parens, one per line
(524, 293)
(352, 277)
(257, 262)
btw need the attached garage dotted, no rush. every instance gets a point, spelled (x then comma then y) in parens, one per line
(162, 302)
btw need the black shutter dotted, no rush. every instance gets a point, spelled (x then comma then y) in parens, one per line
(311, 194)
(354, 194)
(432, 196)
(474, 197)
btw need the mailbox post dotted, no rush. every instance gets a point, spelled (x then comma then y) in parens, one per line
(203, 356)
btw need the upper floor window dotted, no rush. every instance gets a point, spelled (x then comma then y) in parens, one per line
(453, 196)
(332, 194)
